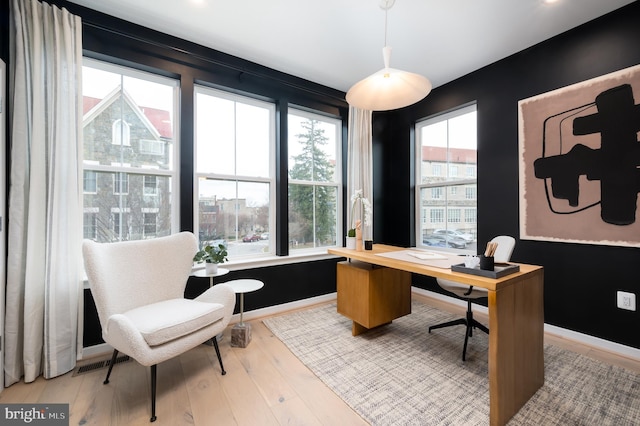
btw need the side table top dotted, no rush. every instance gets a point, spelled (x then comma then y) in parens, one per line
(202, 273)
(245, 285)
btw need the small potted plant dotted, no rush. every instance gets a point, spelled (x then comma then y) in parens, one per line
(212, 256)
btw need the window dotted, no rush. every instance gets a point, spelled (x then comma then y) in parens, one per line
(128, 115)
(120, 183)
(90, 185)
(471, 215)
(150, 223)
(470, 192)
(314, 175)
(120, 224)
(152, 147)
(121, 133)
(150, 185)
(453, 215)
(436, 217)
(90, 224)
(448, 140)
(234, 168)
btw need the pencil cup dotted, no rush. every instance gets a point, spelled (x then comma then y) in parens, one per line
(486, 263)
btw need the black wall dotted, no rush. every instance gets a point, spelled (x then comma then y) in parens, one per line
(581, 280)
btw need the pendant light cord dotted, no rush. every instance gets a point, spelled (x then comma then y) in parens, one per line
(386, 5)
(386, 12)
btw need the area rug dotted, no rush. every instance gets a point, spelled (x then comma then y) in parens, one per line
(400, 374)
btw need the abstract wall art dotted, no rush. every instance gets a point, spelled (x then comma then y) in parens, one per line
(580, 162)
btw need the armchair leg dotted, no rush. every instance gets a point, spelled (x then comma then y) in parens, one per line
(153, 393)
(113, 361)
(215, 345)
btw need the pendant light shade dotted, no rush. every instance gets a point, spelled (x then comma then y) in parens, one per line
(388, 88)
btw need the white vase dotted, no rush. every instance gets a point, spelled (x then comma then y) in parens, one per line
(351, 243)
(211, 268)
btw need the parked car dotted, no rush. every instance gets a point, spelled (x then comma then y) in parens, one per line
(250, 238)
(264, 236)
(444, 241)
(455, 233)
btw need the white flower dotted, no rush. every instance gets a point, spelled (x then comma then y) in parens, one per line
(366, 204)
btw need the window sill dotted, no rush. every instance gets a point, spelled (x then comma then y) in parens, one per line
(262, 262)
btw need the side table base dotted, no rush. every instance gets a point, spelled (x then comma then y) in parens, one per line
(240, 335)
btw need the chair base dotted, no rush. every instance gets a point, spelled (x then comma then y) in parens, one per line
(469, 322)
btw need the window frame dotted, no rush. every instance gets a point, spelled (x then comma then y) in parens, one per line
(448, 182)
(172, 172)
(270, 180)
(337, 182)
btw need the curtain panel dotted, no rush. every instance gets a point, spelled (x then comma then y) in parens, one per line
(44, 265)
(359, 164)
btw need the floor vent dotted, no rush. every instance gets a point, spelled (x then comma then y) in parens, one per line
(97, 365)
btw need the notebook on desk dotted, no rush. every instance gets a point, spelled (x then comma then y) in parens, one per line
(428, 258)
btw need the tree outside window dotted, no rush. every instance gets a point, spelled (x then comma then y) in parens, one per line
(313, 183)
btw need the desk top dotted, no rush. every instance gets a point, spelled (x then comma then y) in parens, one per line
(371, 256)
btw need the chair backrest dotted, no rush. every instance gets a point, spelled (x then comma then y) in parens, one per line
(126, 275)
(505, 248)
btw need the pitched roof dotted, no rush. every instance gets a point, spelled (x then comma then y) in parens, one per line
(160, 119)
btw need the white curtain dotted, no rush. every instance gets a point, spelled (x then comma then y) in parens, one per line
(44, 279)
(360, 163)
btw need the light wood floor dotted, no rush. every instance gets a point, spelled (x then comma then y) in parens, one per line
(265, 384)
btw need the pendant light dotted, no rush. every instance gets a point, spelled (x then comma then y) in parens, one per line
(388, 88)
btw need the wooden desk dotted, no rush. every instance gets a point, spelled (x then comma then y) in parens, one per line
(516, 325)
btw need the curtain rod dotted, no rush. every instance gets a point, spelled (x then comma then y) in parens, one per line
(219, 63)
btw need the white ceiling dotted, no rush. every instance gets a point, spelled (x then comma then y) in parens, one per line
(338, 42)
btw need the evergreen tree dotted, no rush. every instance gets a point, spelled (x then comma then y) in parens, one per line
(312, 208)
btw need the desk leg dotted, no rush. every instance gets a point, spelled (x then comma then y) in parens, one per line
(516, 346)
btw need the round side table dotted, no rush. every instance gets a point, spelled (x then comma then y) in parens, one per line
(241, 332)
(202, 273)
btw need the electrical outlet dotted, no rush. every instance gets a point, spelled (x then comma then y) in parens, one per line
(626, 301)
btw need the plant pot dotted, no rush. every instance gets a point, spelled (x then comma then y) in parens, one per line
(351, 243)
(211, 268)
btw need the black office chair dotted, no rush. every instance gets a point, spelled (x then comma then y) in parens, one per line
(470, 293)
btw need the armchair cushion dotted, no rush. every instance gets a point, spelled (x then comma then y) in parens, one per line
(164, 321)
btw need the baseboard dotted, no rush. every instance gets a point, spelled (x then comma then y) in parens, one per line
(95, 351)
(278, 309)
(584, 339)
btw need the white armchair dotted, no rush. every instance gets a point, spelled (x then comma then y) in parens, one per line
(138, 288)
